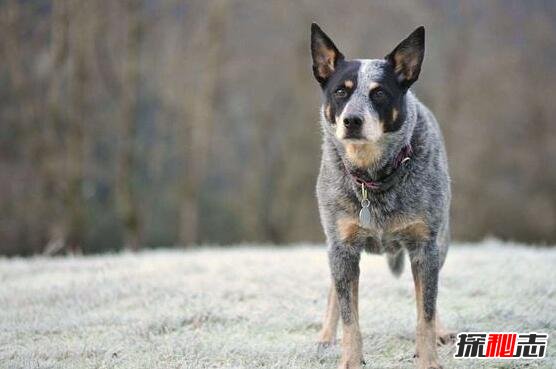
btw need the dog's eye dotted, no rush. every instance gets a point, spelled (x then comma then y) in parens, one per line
(340, 93)
(379, 96)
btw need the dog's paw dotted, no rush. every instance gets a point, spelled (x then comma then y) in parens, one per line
(352, 363)
(427, 364)
(445, 338)
(323, 347)
(427, 361)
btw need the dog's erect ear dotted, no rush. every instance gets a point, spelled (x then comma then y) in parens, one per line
(325, 54)
(408, 56)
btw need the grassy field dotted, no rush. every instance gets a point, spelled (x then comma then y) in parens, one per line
(254, 307)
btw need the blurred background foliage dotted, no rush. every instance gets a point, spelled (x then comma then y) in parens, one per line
(144, 123)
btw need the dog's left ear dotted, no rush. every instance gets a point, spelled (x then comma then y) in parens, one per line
(325, 55)
(407, 57)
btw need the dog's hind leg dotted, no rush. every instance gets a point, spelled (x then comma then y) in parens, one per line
(444, 336)
(327, 335)
(425, 267)
(344, 264)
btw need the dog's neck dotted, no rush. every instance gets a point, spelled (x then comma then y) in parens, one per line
(385, 167)
(384, 178)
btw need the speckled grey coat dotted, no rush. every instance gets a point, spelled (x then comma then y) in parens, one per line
(368, 117)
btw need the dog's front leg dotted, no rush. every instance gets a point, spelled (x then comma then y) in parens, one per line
(425, 267)
(327, 334)
(344, 265)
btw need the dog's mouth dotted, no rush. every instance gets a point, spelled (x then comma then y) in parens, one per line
(356, 139)
(353, 136)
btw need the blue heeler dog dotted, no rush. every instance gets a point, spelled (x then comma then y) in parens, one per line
(383, 185)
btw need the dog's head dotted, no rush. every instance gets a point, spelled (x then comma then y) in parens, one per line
(365, 100)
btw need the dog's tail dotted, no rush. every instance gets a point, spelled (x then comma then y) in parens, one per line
(396, 262)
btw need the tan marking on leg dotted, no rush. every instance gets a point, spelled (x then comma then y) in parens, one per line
(348, 229)
(362, 155)
(355, 297)
(348, 83)
(352, 344)
(418, 294)
(427, 356)
(327, 335)
(418, 303)
(415, 229)
(352, 354)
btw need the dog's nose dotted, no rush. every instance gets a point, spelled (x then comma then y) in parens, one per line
(353, 122)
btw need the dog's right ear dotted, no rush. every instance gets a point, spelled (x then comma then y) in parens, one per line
(325, 55)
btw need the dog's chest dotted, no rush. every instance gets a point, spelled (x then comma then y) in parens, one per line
(390, 229)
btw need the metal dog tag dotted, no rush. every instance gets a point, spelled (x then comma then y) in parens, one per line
(364, 213)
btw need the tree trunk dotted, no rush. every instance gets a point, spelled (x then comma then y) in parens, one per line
(76, 139)
(56, 115)
(127, 201)
(201, 104)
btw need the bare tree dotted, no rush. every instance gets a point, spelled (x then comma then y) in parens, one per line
(64, 171)
(205, 52)
(128, 204)
(51, 169)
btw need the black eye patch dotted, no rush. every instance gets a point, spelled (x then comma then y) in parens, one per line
(387, 105)
(339, 89)
(379, 95)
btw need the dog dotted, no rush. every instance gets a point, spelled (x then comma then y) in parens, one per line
(383, 186)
